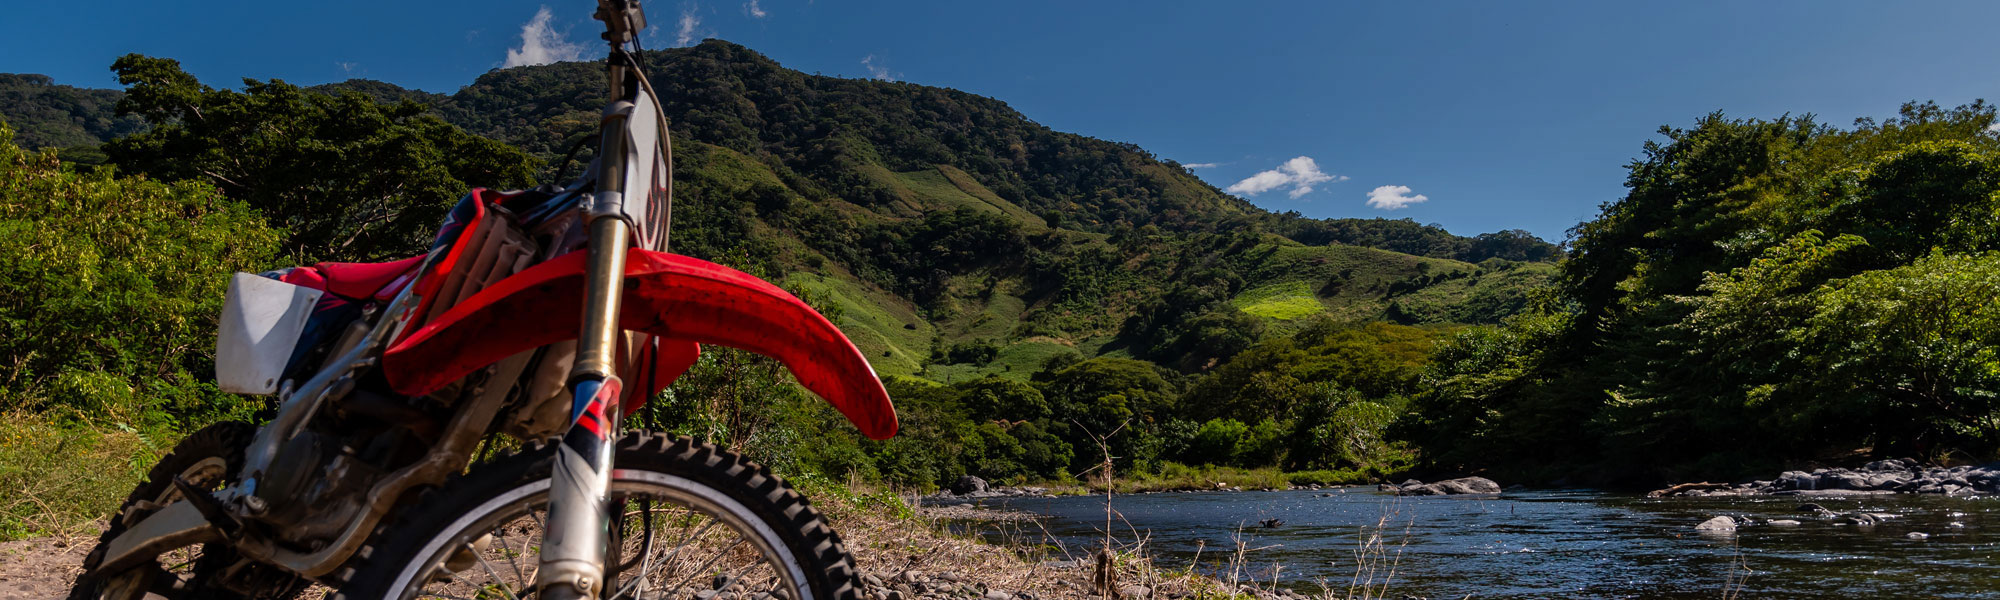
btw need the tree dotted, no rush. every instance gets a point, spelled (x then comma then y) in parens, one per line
(346, 177)
(1933, 194)
(110, 287)
(1922, 342)
(1216, 442)
(994, 397)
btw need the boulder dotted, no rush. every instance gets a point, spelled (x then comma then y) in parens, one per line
(1463, 485)
(1842, 480)
(1782, 522)
(968, 484)
(1723, 523)
(1469, 485)
(1917, 535)
(1892, 464)
(1797, 480)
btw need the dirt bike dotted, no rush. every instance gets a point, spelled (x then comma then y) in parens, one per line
(543, 316)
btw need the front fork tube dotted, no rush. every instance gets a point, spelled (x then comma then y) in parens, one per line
(574, 544)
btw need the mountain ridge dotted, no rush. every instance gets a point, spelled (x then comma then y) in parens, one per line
(951, 227)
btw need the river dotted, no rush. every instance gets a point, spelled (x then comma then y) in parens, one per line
(1557, 543)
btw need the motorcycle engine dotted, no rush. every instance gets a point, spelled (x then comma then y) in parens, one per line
(314, 488)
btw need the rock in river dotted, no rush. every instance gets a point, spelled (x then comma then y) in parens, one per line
(1891, 476)
(1723, 523)
(967, 485)
(1463, 485)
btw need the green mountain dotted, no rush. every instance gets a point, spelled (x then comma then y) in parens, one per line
(953, 235)
(46, 115)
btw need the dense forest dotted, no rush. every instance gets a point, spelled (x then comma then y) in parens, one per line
(1023, 290)
(1768, 292)
(1034, 298)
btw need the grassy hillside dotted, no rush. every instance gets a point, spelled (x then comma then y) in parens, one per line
(1020, 287)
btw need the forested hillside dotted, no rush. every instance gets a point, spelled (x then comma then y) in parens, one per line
(1022, 288)
(1770, 292)
(46, 115)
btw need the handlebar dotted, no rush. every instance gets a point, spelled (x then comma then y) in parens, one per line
(623, 20)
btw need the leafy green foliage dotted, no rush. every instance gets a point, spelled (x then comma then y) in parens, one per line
(109, 290)
(46, 115)
(346, 177)
(1065, 288)
(1920, 344)
(1779, 290)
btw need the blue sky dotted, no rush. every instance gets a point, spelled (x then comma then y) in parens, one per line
(1499, 115)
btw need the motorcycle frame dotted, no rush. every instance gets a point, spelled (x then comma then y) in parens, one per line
(573, 548)
(180, 523)
(761, 317)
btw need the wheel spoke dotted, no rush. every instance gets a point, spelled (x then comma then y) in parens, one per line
(735, 577)
(704, 566)
(645, 556)
(494, 574)
(514, 558)
(685, 534)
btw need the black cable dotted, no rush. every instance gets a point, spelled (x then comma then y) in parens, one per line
(570, 157)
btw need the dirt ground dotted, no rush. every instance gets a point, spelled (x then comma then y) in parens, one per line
(916, 559)
(40, 568)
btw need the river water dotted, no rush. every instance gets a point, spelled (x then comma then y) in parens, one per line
(1553, 544)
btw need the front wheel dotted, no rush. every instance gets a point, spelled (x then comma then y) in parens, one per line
(692, 520)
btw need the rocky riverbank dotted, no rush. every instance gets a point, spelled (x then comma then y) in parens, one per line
(1895, 476)
(1449, 487)
(898, 558)
(971, 488)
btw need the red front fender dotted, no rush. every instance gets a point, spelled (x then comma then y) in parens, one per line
(667, 295)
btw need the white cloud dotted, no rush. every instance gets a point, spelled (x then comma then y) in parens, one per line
(876, 69)
(541, 44)
(685, 34)
(1300, 174)
(1201, 165)
(754, 10)
(1392, 197)
(345, 67)
(1993, 128)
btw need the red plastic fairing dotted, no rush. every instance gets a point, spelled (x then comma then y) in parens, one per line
(671, 296)
(367, 280)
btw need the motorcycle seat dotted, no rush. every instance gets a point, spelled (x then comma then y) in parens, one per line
(360, 281)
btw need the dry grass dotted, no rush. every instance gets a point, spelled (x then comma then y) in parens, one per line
(1738, 577)
(59, 480)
